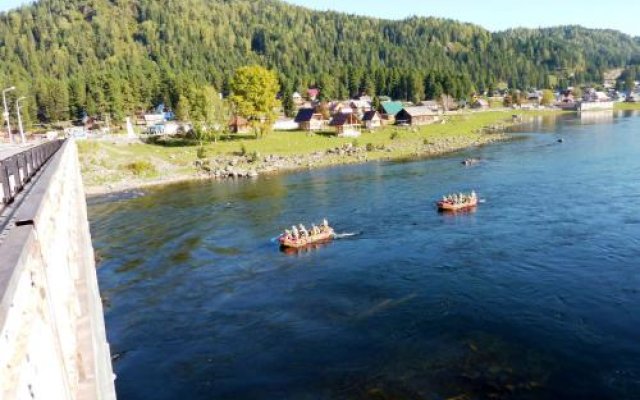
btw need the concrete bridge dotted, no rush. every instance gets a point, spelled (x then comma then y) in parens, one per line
(52, 336)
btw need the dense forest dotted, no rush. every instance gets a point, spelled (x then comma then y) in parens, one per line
(76, 57)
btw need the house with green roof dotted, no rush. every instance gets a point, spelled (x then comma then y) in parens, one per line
(390, 110)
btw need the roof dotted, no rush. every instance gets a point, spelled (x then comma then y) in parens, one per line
(344, 119)
(304, 115)
(154, 117)
(430, 103)
(602, 96)
(360, 103)
(238, 121)
(392, 107)
(369, 115)
(419, 111)
(339, 105)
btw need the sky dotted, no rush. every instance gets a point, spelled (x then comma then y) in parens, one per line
(491, 14)
(499, 14)
(9, 4)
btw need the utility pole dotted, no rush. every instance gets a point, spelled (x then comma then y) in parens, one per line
(20, 120)
(6, 110)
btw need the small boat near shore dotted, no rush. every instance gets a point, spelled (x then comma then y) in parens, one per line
(300, 238)
(458, 202)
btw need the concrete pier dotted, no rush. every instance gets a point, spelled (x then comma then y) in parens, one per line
(52, 335)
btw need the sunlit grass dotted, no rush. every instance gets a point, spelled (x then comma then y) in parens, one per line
(105, 162)
(627, 106)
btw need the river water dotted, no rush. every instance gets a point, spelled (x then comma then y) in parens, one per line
(536, 295)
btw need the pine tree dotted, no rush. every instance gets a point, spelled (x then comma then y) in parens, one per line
(287, 103)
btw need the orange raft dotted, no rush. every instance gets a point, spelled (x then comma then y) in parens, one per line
(322, 237)
(445, 205)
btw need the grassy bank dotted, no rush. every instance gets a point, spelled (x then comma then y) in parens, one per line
(112, 166)
(627, 106)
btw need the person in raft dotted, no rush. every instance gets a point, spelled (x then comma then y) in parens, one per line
(300, 232)
(287, 234)
(303, 232)
(459, 198)
(314, 230)
(294, 233)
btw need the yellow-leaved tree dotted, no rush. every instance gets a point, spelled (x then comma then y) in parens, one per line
(547, 98)
(253, 95)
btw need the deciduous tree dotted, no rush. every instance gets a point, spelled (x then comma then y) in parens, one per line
(254, 89)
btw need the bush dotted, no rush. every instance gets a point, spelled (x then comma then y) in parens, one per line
(201, 153)
(141, 167)
(370, 147)
(394, 135)
(253, 157)
(355, 143)
(243, 150)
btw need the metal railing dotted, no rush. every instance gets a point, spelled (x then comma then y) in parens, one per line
(18, 169)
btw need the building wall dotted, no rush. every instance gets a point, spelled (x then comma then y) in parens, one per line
(372, 124)
(52, 336)
(596, 106)
(422, 120)
(313, 125)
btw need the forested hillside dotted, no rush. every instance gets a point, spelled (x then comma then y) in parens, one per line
(116, 56)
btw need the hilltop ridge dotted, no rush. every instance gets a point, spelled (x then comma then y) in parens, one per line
(116, 56)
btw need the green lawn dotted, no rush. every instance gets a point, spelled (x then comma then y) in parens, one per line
(627, 106)
(109, 162)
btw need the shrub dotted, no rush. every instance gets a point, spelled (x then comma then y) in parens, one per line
(141, 167)
(394, 135)
(253, 157)
(370, 147)
(202, 152)
(355, 143)
(243, 150)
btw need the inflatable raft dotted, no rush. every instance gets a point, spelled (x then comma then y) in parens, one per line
(322, 237)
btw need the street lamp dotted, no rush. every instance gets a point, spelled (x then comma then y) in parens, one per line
(6, 110)
(20, 119)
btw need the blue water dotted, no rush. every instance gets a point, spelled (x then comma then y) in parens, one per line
(536, 295)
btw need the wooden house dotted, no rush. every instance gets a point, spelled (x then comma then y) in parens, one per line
(237, 124)
(346, 124)
(308, 120)
(416, 116)
(340, 107)
(153, 119)
(372, 120)
(390, 110)
(313, 93)
(360, 106)
(432, 104)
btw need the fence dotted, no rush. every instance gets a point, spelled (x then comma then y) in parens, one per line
(17, 170)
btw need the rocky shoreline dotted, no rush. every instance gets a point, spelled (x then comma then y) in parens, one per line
(251, 166)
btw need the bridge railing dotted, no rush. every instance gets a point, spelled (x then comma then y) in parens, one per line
(18, 169)
(53, 342)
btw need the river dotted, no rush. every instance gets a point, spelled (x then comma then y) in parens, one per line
(535, 295)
